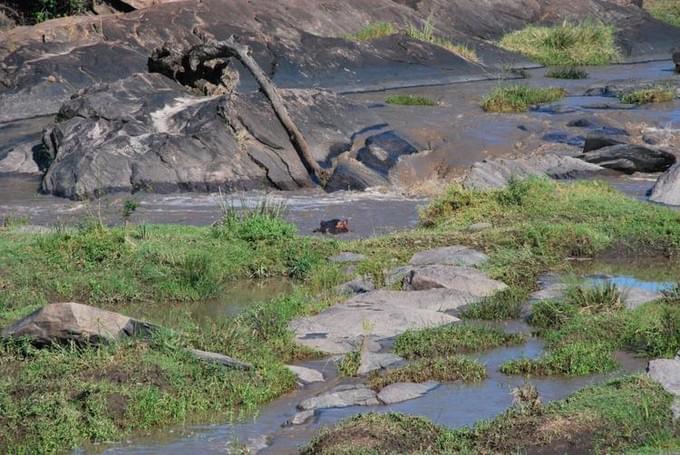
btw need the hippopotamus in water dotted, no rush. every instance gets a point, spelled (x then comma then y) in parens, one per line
(334, 227)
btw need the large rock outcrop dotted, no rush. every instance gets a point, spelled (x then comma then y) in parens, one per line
(667, 188)
(75, 322)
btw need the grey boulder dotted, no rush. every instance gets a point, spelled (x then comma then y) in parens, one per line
(468, 280)
(341, 397)
(667, 373)
(75, 322)
(667, 188)
(373, 361)
(356, 286)
(306, 375)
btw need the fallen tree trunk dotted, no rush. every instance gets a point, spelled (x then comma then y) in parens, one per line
(232, 48)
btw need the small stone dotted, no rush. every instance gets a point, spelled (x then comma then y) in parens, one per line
(220, 359)
(450, 255)
(372, 361)
(257, 444)
(347, 257)
(301, 418)
(404, 391)
(306, 375)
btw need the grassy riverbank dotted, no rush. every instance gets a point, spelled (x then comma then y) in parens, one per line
(54, 399)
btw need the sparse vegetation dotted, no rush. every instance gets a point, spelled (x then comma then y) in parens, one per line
(349, 364)
(656, 94)
(501, 306)
(374, 31)
(567, 73)
(442, 369)
(410, 100)
(622, 415)
(586, 43)
(518, 98)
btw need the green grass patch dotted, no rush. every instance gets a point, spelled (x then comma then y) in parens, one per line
(452, 339)
(656, 94)
(410, 100)
(570, 72)
(501, 306)
(349, 364)
(574, 359)
(374, 31)
(586, 43)
(626, 414)
(442, 369)
(665, 10)
(427, 34)
(519, 98)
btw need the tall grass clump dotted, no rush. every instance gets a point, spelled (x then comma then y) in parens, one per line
(518, 98)
(585, 43)
(262, 222)
(427, 34)
(410, 100)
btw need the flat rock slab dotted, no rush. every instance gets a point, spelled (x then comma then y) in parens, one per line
(220, 359)
(347, 257)
(341, 397)
(340, 329)
(373, 361)
(404, 391)
(306, 375)
(630, 158)
(469, 280)
(301, 418)
(65, 322)
(450, 255)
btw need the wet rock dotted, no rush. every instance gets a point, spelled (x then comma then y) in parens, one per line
(404, 391)
(373, 361)
(598, 141)
(667, 188)
(306, 375)
(383, 151)
(470, 281)
(630, 158)
(220, 359)
(341, 397)
(74, 322)
(356, 286)
(257, 444)
(301, 418)
(351, 174)
(148, 132)
(451, 255)
(676, 59)
(342, 328)
(347, 257)
(667, 373)
(497, 173)
(19, 159)
(600, 128)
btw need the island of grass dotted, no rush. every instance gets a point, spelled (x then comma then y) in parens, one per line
(410, 100)
(585, 43)
(656, 94)
(631, 414)
(519, 98)
(440, 369)
(62, 397)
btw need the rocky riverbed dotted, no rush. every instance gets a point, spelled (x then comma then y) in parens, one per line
(169, 281)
